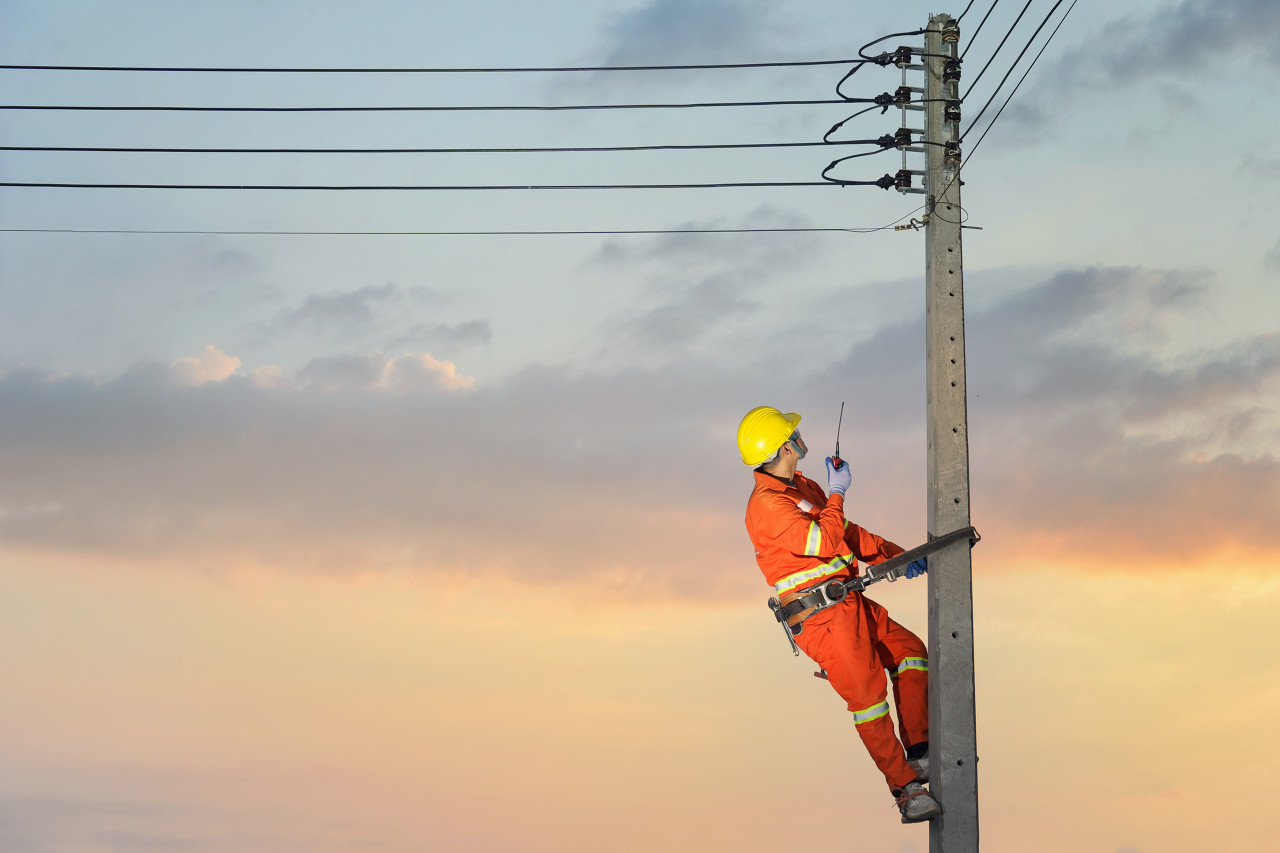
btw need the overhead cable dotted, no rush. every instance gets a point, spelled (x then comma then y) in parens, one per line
(974, 149)
(996, 52)
(602, 148)
(548, 232)
(979, 29)
(882, 60)
(379, 187)
(527, 70)
(445, 233)
(1030, 41)
(465, 108)
(861, 50)
(1023, 77)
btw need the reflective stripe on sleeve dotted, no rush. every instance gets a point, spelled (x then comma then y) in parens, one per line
(814, 540)
(866, 715)
(792, 581)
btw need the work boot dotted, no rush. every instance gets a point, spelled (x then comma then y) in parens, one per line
(916, 803)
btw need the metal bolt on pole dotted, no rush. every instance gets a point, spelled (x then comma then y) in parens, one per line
(953, 756)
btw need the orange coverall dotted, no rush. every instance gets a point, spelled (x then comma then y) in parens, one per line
(802, 538)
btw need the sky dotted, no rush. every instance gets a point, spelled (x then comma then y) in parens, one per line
(426, 542)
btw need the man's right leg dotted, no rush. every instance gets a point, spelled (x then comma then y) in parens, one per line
(842, 645)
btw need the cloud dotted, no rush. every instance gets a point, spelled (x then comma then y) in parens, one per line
(444, 335)
(374, 316)
(1086, 445)
(1197, 32)
(703, 282)
(1271, 260)
(1252, 166)
(664, 32)
(363, 372)
(212, 365)
(1172, 43)
(346, 310)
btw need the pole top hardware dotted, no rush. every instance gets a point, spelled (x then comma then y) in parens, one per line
(951, 71)
(951, 31)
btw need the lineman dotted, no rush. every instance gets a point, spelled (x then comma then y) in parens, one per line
(803, 541)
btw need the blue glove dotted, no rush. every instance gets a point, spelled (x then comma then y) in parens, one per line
(917, 567)
(838, 481)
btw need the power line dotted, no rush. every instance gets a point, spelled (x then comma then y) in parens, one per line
(1004, 79)
(466, 108)
(372, 188)
(527, 70)
(981, 24)
(549, 232)
(972, 151)
(1023, 77)
(716, 146)
(866, 58)
(994, 53)
(447, 233)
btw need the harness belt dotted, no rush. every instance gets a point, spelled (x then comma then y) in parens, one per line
(793, 608)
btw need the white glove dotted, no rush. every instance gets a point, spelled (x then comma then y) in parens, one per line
(838, 481)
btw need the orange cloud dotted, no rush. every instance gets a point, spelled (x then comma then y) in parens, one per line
(212, 365)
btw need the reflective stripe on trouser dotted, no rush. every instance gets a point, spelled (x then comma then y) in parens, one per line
(855, 642)
(918, 664)
(875, 712)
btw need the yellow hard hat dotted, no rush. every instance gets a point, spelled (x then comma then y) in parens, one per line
(763, 430)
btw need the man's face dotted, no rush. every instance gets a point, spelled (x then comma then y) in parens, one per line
(799, 442)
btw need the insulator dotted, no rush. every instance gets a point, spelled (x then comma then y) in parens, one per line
(902, 137)
(902, 95)
(902, 56)
(952, 111)
(951, 71)
(902, 180)
(951, 31)
(951, 153)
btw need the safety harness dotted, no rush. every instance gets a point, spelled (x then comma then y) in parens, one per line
(793, 608)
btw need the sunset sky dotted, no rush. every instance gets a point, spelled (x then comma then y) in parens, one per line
(316, 543)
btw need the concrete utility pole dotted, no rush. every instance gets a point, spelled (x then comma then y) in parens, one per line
(953, 758)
